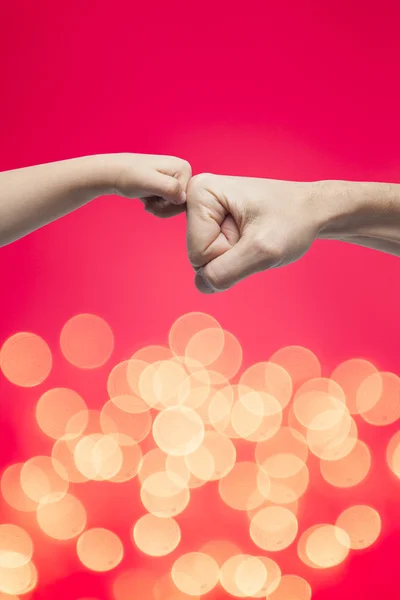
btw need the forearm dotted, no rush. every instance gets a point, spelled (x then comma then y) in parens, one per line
(34, 196)
(367, 214)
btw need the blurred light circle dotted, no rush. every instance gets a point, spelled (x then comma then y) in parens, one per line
(378, 399)
(25, 359)
(178, 430)
(55, 409)
(327, 546)
(335, 442)
(98, 457)
(251, 576)
(273, 528)
(156, 536)
(87, 341)
(214, 458)
(256, 416)
(195, 573)
(291, 587)
(130, 464)
(284, 490)
(350, 470)
(153, 461)
(128, 428)
(186, 327)
(164, 494)
(393, 454)
(271, 379)
(350, 374)
(299, 362)
(12, 491)
(39, 478)
(362, 524)
(99, 549)
(283, 455)
(18, 580)
(16, 546)
(61, 517)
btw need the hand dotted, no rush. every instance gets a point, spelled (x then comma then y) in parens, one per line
(238, 226)
(159, 181)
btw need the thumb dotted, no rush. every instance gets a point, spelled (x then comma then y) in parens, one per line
(166, 187)
(237, 263)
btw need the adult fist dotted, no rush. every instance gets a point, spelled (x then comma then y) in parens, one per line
(159, 181)
(238, 226)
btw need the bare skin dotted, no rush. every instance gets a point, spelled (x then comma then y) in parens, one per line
(34, 196)
(238, 226)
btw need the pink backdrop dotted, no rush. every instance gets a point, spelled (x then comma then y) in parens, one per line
(298, 90)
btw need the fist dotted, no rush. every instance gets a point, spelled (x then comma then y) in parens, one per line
(238, 226)
(159, 181)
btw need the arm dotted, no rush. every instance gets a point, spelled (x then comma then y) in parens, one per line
(238, 226)
(34, 196)
(366, 214)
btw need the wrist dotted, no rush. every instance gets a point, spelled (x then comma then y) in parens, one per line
(348, 209)
(97, 174)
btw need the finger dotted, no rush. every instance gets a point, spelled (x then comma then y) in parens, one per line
(242, 260)
(206, 239)
(161, 208)
(167, 187)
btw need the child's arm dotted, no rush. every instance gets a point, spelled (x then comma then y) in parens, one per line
(34, 196)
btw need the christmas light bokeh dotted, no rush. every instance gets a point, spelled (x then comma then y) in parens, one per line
(187, 421)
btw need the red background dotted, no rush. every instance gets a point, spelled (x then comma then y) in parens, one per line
(299, 90)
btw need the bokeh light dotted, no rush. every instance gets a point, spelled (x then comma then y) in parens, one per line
(283, 455)
(39, 478)
(12, 491)
(86, 341)
(54, 411)
(393, 454)
(18, 580)
(362, 524)
(128, 427)
(186, 327)
(16, 546)
(291, 587)
(378, 399)
(326, 546)
(299, 362)
(251, 576)
(270, 378)
(99, 549)
(156, 536)
(213, 459)
(195, 573)
(98, 457)
(61, 517)
(164, 494)
(350, 374)
(273, 528)
(25, 359)
(178, 430)
(350, 470)
(188, 416)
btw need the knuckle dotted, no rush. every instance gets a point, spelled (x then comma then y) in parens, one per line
(172, 186)
(199, 183)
